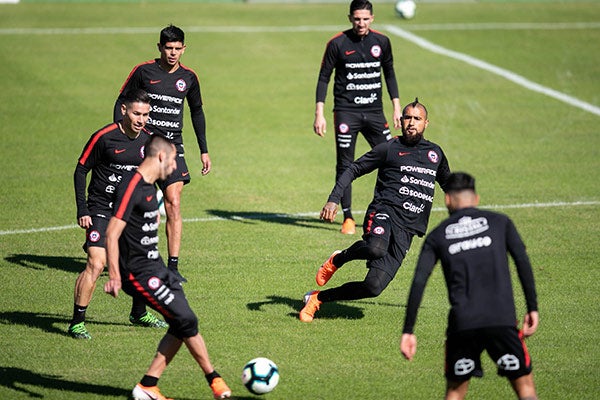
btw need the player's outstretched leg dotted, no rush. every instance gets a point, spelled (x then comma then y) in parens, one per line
(327, 270)
(311, 305)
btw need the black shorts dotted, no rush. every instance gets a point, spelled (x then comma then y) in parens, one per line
(181, 174)
(504, 345)
(371, 124)
(161, 289)
(380, 225)
(95, 235)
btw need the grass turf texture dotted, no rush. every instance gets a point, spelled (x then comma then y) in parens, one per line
(247, 275)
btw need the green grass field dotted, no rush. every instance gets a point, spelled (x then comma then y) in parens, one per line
(252, 240)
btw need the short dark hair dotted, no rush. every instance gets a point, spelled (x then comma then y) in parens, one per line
(361, 5)
(136, 96)
(155, 143)
(171, 34)
(416, 104)
(459, 181)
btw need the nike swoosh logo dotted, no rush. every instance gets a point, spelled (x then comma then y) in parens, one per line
(119, 151)
(154, 82)
(148, 198)
(404, 153)
(150, 394)
(185, 173)
(349, 52)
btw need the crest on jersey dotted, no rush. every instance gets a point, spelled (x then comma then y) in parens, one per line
(433, 156)
(344, 128)
(143, 151)
(376, 51)
(181, 85)
(154, 283)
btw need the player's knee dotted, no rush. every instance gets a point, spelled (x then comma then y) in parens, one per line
(172, 203)
(375, 282)
(95, 266)
(374, 252)
(373, 287)
(186, 325)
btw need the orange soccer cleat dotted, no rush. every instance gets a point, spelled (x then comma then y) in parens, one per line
(312, 304)
(348, 227)
(327, 270)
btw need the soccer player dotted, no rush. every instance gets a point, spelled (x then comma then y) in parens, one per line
(408, 167)
(169, 83)
(134, 265)
(112, 150)
(358, 56)
(472, 245)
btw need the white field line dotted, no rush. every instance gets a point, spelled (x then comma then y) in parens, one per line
(310, 215)
(425, 44)
(511, 76)
(302, 28)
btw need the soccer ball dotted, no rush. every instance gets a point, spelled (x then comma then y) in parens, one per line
(406, 8)
(161, 202)
(260, 375)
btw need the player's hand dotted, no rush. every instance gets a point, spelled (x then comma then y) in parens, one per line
(329, 211)
(320, 126)
(530, 323)
(206, 164)
(408, 345)
(397, 119)
(85, 222)
(112, 287)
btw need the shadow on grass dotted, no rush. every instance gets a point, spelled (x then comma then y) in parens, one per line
(17, 378)
(33, 261)
(285, 219)
(45, 322)
(333, 310)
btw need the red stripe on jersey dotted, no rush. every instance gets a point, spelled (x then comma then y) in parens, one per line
(97, 136)
(370, 222)
(189, 69)
(149, 297)
(133, 70)
(127, 196)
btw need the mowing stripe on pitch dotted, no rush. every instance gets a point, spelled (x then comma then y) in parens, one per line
(425, 44)
(310, 215)
(511, 76)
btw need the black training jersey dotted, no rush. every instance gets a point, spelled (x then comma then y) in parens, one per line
(472, 245)
(168, 92)
(137, 205)
(108, 154)
(358, 63)
(405, 180)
